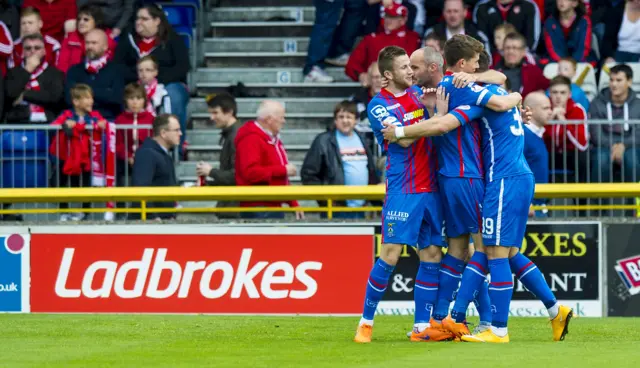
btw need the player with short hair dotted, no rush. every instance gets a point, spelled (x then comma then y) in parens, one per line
(509, 188)
(412, 209)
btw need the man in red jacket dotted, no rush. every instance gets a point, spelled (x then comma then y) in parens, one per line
(395, 33)
(567, 140)
(261, 158)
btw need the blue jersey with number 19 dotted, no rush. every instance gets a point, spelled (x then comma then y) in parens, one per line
(460, 151)
(502, 139)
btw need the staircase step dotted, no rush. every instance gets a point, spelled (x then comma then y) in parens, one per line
(256, 14)
(261, 29)
(295, 153)
(255, 59)
(338, 89)
(261, 75)
(292, 123)
(290, 137)
(256, 44)
(292, 104)
(188, 168)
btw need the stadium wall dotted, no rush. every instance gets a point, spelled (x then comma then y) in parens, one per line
(312, 269)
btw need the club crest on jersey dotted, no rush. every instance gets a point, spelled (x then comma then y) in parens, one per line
(629, 271)
(390, 229)
(416, 114)
(379, 112)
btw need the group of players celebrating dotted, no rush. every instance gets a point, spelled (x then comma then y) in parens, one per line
(460, 174)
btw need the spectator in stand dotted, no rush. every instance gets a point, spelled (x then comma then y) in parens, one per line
(223, 111)
(436, 41)
(341, 156)
(569, 142)
(454, 23)
(567, 32)
(375, 14)
(365, 94)
(72, 146)
(58, 16)
(158, 100)
(567, 67)
(10, 16)
(6, 47)
(154, 36)
(117, 13)
(31, 23)
(332, 36)
(523, 77)
(261, 158)
(129, 140)
(153, 166)
(499, 35)
(72, 52)
(104, 77)
(34, 89)
(523, 14)
(395, 33)
(616, 145)
(535, 150)
(622, 33)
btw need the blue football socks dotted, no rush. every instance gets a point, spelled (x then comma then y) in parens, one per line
(473, 277)
(483, 304)
(449, 278)
(500, 291)
(531, 277)
(425, 291)
(376, 286)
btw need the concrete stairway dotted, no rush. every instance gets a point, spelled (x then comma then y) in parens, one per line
(263, 44)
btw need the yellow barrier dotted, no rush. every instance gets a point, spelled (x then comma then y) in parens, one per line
(327, 193)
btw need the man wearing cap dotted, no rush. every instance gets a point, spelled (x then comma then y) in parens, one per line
(394, 33)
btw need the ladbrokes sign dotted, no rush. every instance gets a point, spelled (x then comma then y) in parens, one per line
(252, 271)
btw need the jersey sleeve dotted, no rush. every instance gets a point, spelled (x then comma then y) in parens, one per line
(378, 114)
(473, 95)
(465, 113)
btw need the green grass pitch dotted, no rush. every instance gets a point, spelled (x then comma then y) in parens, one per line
(244, 341)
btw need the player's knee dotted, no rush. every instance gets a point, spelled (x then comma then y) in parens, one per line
(431, 254)
(390, 253)
(498, 251)
(513, 252)
(459, 247)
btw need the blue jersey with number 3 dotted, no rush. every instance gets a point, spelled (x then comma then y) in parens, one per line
(502, 139)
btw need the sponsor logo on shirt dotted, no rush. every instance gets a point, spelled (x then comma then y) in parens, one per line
(392, 107)
(379, 112)
(416, 114)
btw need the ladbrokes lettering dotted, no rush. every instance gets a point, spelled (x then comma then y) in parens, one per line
(180, 282)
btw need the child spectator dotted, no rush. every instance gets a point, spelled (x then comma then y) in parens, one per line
(31, 23)
(567, 32)
(158, 101)
(58, 16)
(567, 67)
(129, 140)
(499, 35)
(72, 50)
(71, 145)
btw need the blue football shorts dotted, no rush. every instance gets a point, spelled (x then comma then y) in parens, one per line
(461, 204)
(505, 210)
(412, 219)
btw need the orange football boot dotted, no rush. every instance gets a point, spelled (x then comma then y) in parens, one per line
(363, 334)
(457, 329)
(431, 334)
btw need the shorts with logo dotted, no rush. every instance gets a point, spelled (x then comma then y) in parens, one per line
(412, 219)
(506, 210)
(461, 204)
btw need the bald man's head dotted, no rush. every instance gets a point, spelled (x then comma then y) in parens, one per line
(427, 65)
(95, 43)
(270, 115)
(540, 106)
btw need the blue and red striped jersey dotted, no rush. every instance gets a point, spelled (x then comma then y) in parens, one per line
(460, 150)
(412, 169)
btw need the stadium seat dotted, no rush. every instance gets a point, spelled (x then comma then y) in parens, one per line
(604, 76)
(176, 15)
(24, 159)
(588, 85)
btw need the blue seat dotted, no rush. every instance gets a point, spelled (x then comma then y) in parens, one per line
(176, 15)
(24, 159)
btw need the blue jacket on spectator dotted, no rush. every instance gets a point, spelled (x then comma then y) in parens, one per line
(576, 45)
(107, 86)
(537, 156)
